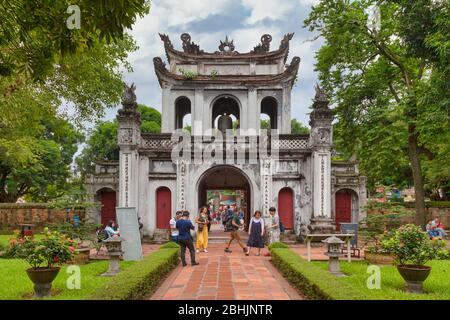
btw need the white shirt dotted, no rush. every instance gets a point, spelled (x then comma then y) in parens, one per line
(173, 223)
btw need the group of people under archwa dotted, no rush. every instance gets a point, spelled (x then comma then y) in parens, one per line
(233, 221)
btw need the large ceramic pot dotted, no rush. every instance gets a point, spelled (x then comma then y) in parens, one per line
(379, 258)
(414, 276)
(42, 279)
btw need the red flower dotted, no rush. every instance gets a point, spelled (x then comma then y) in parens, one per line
(71, 249)
(55, 259)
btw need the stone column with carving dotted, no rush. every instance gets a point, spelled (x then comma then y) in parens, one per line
(129, 135)
(321, 142)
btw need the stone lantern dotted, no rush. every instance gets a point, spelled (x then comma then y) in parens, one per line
(114, 246)
(334, 245)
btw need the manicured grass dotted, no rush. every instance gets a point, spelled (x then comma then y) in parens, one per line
(437, 286)
(314, 281)
(15, 284)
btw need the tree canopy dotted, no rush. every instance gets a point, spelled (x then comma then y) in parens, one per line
(389, 84)
(102, 144)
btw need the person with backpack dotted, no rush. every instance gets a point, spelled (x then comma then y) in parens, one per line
(184, 226)
(232, 225)
(274, 228)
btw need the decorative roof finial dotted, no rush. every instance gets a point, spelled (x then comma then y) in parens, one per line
(264, 46)
(129, 97)
(226, 47)
(188, 46)
(321, 95)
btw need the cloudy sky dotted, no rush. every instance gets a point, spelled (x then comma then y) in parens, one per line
(208, 22)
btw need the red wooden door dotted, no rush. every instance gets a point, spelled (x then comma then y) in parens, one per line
(163, 208)
(343, 208)
(286, 207)
(108, 211)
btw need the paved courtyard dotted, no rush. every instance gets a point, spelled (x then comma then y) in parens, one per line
(226, 276)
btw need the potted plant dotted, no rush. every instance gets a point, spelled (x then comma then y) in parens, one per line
(43, 255)
(83, 233)
(412, 248)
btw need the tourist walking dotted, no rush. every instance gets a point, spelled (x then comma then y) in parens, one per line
(232, 225)
(256, 233)
(173, 228)
(184, 226)
(274, 228)
(202, 229)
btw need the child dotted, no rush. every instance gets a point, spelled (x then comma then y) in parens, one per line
(256, 232)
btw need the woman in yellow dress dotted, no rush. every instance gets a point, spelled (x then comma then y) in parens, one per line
(202, 230)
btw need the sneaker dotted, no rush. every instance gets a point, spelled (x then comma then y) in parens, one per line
(195, 264)
(204, 250)
(227, 250)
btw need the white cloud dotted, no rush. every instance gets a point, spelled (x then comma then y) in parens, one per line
(267, 9)
(308, 2)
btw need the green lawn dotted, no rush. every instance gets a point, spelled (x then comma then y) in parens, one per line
(437, 286)
(16, 285)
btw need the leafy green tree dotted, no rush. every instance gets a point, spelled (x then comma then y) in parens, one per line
(34, 35)
(102, 143)
(298, 128)
(36, 146)
(389, 84)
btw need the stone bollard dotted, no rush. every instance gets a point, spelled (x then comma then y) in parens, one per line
(114, 247)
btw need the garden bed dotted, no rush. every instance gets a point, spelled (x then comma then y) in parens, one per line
(313, 280)
(141, 279)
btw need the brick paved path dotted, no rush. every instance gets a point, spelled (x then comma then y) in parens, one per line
(226, 276)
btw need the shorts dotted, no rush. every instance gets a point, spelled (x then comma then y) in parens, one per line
(235, 235)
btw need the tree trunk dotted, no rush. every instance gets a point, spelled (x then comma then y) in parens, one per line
(413, 151)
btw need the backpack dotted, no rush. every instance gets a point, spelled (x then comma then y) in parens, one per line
(102, 235)
(281, 225)
(228, 222)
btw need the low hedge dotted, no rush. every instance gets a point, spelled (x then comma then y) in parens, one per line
(140, 279)
(309, 279)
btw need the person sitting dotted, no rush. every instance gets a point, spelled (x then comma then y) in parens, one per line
(111, 229)
(439, 228)
(431, 226)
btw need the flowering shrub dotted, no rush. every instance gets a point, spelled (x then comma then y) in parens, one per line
(13, 247)
(54, 248)
(411, 245)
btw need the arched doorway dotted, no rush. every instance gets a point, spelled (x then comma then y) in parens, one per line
(345, 205)
(225, 104)
(108, 200)
(182, 113)
(269, 107)
(286, 207)
(232, 179)
(163, 207)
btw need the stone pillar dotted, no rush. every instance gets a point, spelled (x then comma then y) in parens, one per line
(250, 116)
(129, 135)
(320, 143)
(197, 113)
(168, 110)
(285, 111)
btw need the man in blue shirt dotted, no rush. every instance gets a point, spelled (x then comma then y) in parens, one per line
(184, 226)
